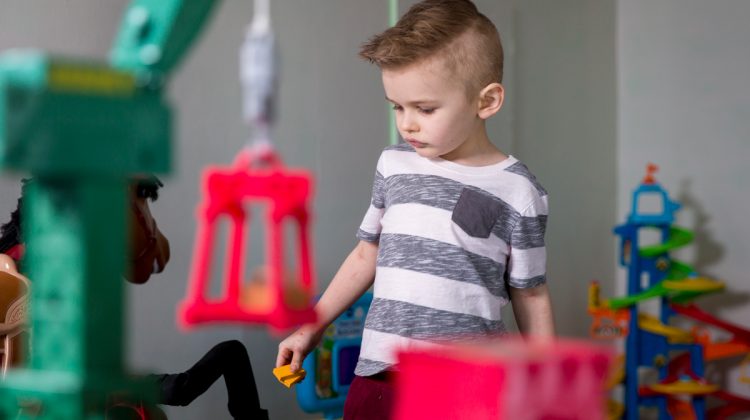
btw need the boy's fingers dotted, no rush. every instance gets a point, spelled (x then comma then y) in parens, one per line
(296, 361)
(282, 357)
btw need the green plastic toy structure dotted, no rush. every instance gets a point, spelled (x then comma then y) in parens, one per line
(82, 129)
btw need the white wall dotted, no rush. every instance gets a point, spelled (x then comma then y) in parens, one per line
(683, 104)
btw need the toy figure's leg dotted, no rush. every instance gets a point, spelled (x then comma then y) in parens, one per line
(229, 359)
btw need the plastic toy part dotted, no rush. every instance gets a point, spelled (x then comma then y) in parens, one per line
(594, 296)
(137, 411)
(735, 405)
(614, 410)
(504, 379)
(156, 34)
(678, 237)
(226, 191)
(16, 253)
(651, 169)
(720, 350)
(673, 334)
(668, 208)
(685, 387)
(698, 284)
(693, 311)
(624, 302)
(285, 375)
(607, 323)
(80, 129)
(680, 410)
(617, 373)
(745, 370)
(14, 290)
(677, 355)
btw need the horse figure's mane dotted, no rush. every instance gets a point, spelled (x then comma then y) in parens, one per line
(148, 187)
(11, 231)
(11, 235)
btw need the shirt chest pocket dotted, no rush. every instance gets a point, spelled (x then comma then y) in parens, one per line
(476, 213)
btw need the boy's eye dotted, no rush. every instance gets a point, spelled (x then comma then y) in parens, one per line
(426, 110)
(397, 107)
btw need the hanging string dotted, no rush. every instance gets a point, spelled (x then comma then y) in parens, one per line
(258, 70)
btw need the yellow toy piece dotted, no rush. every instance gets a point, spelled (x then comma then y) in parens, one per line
(687, 387)
(285, 375)
(617, 372)
(615, 410)
(745, 367)
(698, 284)
(595, 301)
(653, 325)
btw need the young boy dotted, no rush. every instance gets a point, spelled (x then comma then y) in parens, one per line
(455, 229)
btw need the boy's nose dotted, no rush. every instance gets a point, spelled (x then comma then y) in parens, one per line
(408, 124)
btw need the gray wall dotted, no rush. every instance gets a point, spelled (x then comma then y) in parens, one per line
(559, 118)
(565, 132)
(683, 104)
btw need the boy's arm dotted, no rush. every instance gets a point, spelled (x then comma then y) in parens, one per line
(354, 277)
(533, 311)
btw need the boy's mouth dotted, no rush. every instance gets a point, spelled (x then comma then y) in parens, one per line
(416, 144)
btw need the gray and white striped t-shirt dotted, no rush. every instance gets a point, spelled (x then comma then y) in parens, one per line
(451, 238)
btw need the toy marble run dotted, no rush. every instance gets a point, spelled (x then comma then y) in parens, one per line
(678, 355)
(504, 379)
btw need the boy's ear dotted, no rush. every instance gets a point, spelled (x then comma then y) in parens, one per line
(490, 100)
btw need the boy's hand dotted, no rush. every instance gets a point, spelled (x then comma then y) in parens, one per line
(352, 280)
(293, 349)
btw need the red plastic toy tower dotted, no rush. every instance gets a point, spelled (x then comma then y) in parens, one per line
(505, 379)
(226, 192)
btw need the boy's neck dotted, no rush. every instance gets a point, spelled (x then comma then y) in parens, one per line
(476, 151)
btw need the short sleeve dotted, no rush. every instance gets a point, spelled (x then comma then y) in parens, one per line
(370, 228)
(527, 262)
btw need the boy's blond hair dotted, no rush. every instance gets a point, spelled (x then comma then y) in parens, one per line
(452, 30)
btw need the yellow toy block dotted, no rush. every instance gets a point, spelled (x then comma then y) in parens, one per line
(285, 375)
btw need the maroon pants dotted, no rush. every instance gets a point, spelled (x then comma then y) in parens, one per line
(370, 397)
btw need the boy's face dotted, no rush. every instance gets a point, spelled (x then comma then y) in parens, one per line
(433, 113)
